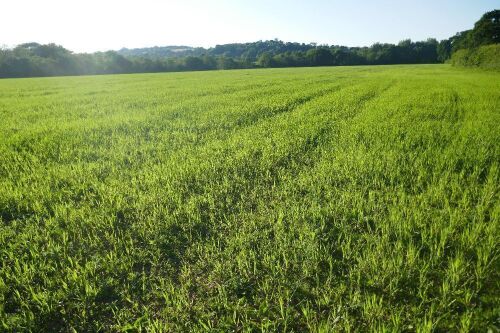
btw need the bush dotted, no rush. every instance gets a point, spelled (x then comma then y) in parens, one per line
(487, 56)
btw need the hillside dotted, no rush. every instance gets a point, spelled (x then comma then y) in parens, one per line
(162, 51)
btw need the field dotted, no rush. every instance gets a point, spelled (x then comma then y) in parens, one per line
(312, 199)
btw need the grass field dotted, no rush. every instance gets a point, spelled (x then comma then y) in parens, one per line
(312, 199)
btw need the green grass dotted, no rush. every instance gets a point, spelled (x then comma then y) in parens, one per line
(312, 199)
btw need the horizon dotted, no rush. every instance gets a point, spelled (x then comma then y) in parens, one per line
(212, 46)
(116, 25)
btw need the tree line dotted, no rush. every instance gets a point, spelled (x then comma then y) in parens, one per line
(486, 31)
(33, 59)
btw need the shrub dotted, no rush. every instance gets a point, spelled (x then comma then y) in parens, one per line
(487, 56)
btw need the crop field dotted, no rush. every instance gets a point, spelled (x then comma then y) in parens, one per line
(282, 200)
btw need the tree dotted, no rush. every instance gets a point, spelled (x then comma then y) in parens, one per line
(320, 57)
(193, 63)
(486, 30)
(265, 60)
(226, 63)
(444, 50)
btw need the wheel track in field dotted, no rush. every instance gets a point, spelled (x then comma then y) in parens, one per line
(241, 125)
(226, 225)
(187, 106)
(173, 233)
(241, 121)
(299, 157)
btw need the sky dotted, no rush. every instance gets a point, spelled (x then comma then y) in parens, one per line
(99, 25)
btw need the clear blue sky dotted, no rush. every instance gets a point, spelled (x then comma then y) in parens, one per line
(90, 25)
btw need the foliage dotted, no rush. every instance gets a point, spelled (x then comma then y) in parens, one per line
(487, 57)
(52, 60)
(479, 47)
(486, 31)
(318, 199)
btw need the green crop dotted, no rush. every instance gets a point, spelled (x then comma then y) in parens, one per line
(312, 199)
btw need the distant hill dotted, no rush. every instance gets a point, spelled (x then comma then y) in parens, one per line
(249, 51)
(163, 51)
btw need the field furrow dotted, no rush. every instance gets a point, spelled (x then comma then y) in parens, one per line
(311, 199)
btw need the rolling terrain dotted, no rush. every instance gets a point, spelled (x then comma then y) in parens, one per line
(310, 199)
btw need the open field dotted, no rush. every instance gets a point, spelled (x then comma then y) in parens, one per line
(312, 199)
